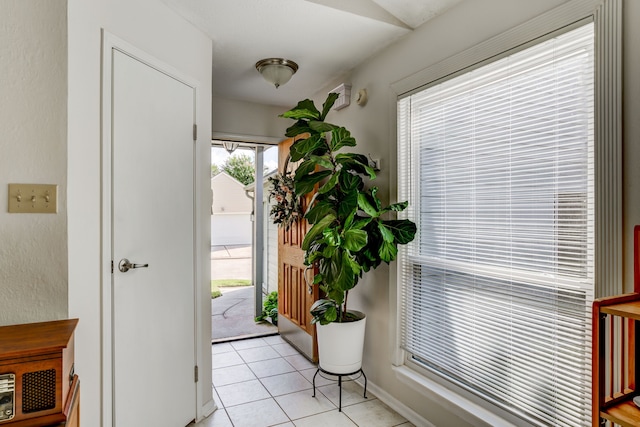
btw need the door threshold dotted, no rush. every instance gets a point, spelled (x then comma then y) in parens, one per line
(244, 337)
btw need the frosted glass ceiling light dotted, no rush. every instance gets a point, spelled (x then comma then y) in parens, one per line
(276, 71)
(230, 146)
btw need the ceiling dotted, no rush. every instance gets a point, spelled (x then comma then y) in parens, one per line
(326, 38)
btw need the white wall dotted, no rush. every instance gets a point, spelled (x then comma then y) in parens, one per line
(152, 27)
(270, 274)
(33, 147)
(231, 229)
(229, 195)
(461, 28)
(230, 212)
(248, 118)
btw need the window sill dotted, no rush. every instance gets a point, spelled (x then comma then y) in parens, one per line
(458, 404)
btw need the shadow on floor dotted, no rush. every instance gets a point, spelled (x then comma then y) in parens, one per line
(232, 316)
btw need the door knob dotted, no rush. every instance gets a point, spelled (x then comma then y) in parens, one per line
(125, 265)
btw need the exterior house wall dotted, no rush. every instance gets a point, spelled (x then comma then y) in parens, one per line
(33, 124)
(230, 212)
(228, 229)
(270, 239)
(229, 195)
(271, 249)
(270, 273)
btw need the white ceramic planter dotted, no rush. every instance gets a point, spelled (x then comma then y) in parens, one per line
(340, 345)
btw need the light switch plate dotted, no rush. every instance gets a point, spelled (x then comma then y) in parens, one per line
(33, 198)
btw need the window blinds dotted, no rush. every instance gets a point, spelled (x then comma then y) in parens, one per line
(496, 289)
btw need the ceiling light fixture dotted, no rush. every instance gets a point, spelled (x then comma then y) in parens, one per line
(276, 71)
(230, 146)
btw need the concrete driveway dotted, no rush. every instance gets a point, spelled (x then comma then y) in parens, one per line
(233, 313)
(231, 262)
(232, 316)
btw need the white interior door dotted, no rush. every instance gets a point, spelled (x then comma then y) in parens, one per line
(152, 223)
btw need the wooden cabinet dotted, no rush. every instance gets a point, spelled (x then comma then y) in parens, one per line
(614, 359)
(37, 360)
(615, 365)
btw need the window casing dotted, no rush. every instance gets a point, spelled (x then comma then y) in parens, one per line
(498, 165)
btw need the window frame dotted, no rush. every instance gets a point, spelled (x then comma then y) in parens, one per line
(607, 17)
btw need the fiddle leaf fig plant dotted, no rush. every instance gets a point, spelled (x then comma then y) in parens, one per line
(351, 231)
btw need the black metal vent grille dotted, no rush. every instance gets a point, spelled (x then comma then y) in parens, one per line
(38, 391)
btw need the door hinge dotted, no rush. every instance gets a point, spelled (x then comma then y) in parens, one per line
(195, 132)
(111, 266)
(195, 373)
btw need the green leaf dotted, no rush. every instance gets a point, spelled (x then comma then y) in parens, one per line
(361, 223)
(304, 168)
(330, 268)
(317, 230)
(340, 137)
(331, 314)
(331, 99)
(304, 110)
(337, 295)
(355, 269)
(365, 204)
(387, 234)
(354, 240)
(321, 127)
(331, 237)
(346, 280)
(324, 311)
(304, 147)
(376, 200)
(350, 182)
(397, 207)
(349, 204)
(324, 161)
(369, 171)
(313, 256)
(300, 127)
(307, 183)
(356, 162)
(388, 252)
(329, 251)
(404, 230)
(348, 222)
(319, 211)
(329, 185)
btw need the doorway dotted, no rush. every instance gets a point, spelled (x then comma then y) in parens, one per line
(149, 294)
(243, 240)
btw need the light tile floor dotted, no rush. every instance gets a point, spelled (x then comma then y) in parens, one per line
(264, 382)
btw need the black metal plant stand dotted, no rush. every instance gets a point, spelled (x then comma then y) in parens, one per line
(359, 371)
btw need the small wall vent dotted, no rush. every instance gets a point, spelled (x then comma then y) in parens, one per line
(344, 98)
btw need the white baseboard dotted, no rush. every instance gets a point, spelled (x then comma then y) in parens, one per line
(396, 405)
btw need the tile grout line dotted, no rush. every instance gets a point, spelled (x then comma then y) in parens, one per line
(271, 396)
(274, 397)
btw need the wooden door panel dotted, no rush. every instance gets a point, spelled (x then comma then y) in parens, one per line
(294, 300)
(295, 235)
(295, 304)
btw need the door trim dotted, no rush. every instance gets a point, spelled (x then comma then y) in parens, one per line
(110, 43)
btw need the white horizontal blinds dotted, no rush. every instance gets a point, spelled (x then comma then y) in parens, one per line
(497, 165)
